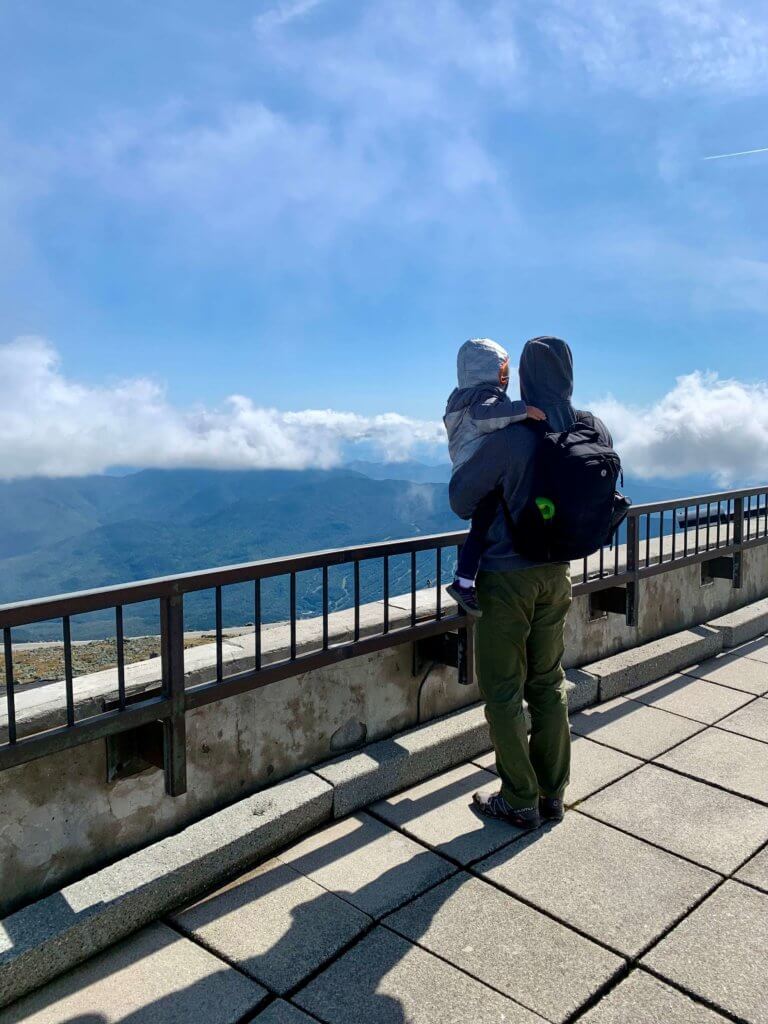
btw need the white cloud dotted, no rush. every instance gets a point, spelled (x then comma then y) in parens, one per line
(653, 47)
(54, 426)
(392, 112)
(704, 425)
(389, 118)
(282, 13)
(243, 167)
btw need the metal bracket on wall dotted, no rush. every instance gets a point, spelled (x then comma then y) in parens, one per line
(137, 750)
(612, 600)
(454, 649)
(724, 567)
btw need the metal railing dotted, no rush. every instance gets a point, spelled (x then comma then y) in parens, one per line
(173, 700)
(656, 538)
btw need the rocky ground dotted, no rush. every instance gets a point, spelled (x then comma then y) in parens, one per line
(46, 661)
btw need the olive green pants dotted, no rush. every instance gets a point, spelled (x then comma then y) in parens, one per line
(519, 653)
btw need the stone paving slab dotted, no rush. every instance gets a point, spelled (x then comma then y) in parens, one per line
(282, 1013)
(592, 767)
(751, 721)
(756, 871)
(506, 944)
(155, 977)
(719, 952)
(386, 980)
(370, 865)
(643, 998)
(734, 670)
(757, 650)
(274, 924)
(440, 814)
(633, 728)
(692, 698)
(724, 759)
(716, 829)
(613, 887)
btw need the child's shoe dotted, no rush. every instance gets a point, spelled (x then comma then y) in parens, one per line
(465, 597)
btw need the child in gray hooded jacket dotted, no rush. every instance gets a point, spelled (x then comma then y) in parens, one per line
(479, 406)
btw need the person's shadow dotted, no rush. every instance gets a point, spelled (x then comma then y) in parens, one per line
(348, 982)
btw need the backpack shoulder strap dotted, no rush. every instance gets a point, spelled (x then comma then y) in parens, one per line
(590, 420)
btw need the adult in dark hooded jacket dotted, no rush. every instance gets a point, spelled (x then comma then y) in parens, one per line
(524, 604)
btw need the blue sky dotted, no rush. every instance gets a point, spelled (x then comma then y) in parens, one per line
(311, 203)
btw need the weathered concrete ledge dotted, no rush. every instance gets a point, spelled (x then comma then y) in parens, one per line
(631, 669)
(582, 687)
(64, 929)
(388, 766)
(742, 625)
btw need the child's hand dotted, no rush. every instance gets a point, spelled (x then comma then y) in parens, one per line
(534, 413)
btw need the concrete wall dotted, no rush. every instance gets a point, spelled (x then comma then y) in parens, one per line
(59, 818)
(668, 603)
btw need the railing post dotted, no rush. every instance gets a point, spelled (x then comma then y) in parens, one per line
(633, 558)
(738, 540)
(466, 657)
(175, 725)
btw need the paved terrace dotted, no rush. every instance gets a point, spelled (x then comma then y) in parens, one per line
(647, 905)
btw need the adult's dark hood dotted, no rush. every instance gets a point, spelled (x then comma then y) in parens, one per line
(546, 379)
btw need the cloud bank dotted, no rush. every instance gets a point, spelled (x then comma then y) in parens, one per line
(52, 425)
(702, 425)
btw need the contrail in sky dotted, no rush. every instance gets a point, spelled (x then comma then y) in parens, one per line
(744, 152)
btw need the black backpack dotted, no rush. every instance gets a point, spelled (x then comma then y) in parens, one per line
(574, 506)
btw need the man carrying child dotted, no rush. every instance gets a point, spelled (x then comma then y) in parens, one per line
(521, 605)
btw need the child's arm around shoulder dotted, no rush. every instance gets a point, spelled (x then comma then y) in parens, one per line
(496, 410)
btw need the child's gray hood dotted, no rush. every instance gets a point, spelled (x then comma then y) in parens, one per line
(478, 362)
(546, 379)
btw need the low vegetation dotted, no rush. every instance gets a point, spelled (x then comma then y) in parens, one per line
(46, 663)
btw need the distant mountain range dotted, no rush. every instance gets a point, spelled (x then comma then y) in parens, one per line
(59, 535)
(415, 472)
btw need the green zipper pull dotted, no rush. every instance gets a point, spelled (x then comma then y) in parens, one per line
(546, 507)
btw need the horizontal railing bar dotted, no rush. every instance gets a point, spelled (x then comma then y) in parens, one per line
(24, 613)
(694, 517)
(750, 542)
(106, 723)
(697, 499)
(207, 693)
(589, 586)
(705, 555)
